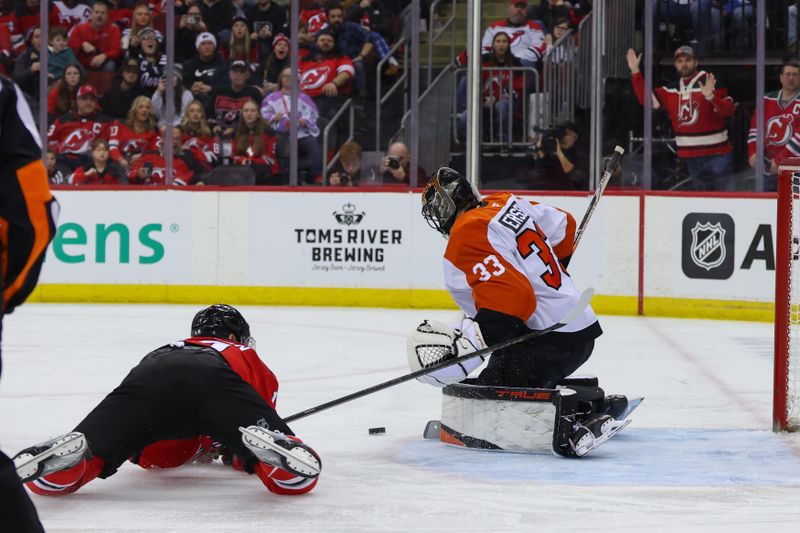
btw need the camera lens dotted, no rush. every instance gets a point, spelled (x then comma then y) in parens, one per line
(394, 164)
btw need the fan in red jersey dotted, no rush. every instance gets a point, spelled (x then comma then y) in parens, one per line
(159, 419)
(151, 167)
(697, 108)
(782, 125)
(136, 135)
(325, 75)
(71, 135)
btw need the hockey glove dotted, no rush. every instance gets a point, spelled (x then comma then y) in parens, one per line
(433, 343)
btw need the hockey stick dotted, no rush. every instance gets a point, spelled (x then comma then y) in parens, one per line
(582, 303)
(601, 186)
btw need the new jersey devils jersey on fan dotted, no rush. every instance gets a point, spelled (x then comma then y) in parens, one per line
(314, 19)
(67, 17)
(205, 149)
(317, 70)
(124, 142)
(157, 170)
(782, 129)
(74, 134)
(506, 256)
(527, 40)
(699, 123)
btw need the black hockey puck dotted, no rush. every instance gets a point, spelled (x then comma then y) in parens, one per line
(377, 431)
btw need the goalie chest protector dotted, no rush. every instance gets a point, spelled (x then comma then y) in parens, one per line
(499, 418)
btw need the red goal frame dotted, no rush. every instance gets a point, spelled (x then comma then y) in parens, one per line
(786, 396)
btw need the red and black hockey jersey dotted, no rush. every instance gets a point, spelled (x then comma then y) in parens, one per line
(781, 130)
(251, 157)
(206, 149)
(156, 167)
(123, 142)
(245, 362)
(318, 70)
(74, 134)
(313, 19)
(699, 123)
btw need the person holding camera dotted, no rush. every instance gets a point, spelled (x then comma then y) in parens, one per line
(267, 19)
(396, 166)
(346, 171)
(190, 26)
(558, 162)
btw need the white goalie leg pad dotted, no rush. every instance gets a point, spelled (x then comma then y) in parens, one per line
(433, 343)
(498, 418)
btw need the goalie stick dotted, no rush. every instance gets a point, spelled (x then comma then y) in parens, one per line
(582, 303)
(601, 186)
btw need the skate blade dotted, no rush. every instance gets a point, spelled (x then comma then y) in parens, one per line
(432, 429)
(598, 441)
(633, 403)
(30, 467)
(296, 460)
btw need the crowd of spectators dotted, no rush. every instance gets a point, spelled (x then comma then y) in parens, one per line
(694, 109)
(107, 84)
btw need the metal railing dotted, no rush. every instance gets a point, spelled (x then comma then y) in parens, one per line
(434, 36)
(583, 86)
(517, 133)
(435, 104)
(559, 73)
(380, 100)
(326, 166)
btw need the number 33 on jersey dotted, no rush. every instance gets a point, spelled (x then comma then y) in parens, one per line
(506, 255)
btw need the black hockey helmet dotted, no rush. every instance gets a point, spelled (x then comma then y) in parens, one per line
(447, 193)
(220, 320)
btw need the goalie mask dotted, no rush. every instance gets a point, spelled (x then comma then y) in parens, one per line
(446, 194)
(220, 320)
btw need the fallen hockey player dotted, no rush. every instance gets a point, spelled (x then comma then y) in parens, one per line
(505, 266)
(202, 397)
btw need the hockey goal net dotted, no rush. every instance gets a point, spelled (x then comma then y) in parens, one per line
(786, 398)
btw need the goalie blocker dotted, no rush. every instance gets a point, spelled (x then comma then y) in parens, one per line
(523, 420)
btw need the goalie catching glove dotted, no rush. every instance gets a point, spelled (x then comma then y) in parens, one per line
(433, 343)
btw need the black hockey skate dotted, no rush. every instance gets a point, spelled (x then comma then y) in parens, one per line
(614, 406)
(50, 456)
(274, 448)
(589, 435)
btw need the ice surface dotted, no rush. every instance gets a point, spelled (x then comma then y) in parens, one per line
(699, 455)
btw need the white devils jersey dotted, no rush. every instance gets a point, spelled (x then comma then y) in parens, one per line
(506, 256)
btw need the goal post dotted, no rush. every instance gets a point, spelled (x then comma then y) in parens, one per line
(786, 388)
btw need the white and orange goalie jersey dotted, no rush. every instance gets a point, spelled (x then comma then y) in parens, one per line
(508, 256)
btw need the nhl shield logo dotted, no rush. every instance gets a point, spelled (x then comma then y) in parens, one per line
(708, 245)
(348, 215)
